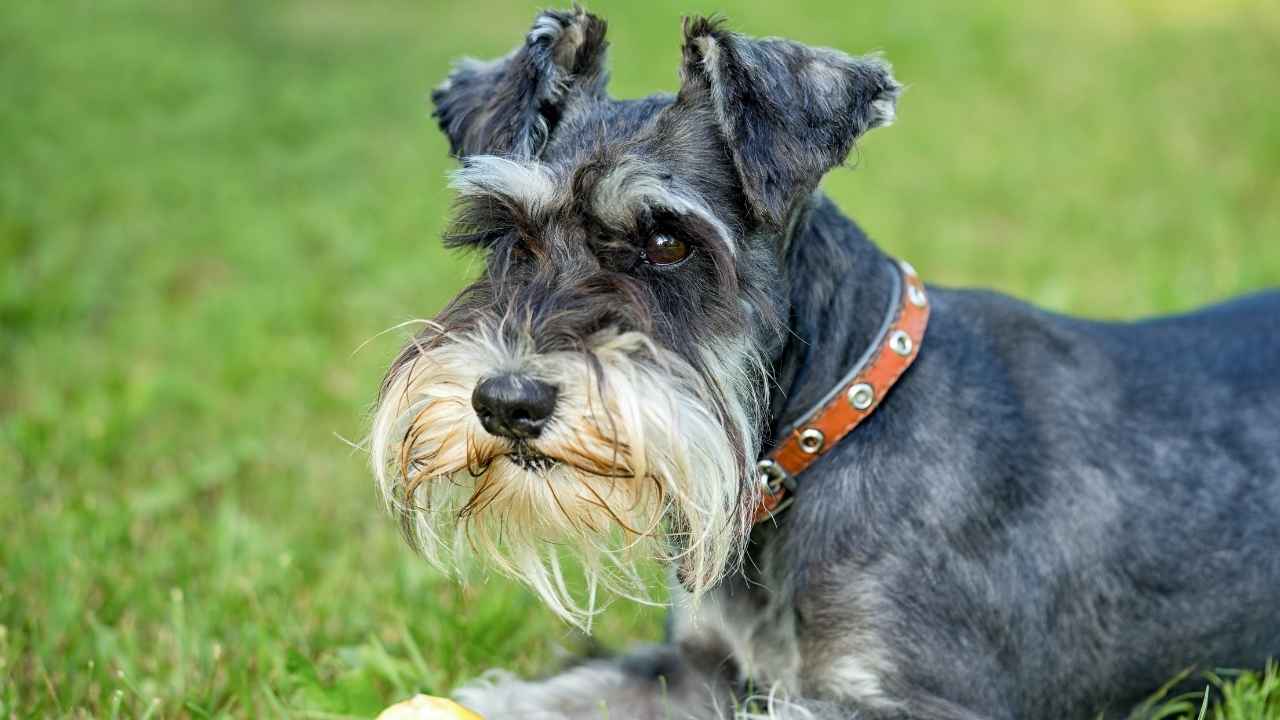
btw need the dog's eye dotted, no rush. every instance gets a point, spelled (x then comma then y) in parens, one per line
(665, 250)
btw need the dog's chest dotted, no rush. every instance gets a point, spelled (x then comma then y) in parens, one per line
(785, 644)
(758, 635)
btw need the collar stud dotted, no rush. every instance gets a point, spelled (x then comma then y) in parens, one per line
(811, 440)
(861, 396)
(900, 342)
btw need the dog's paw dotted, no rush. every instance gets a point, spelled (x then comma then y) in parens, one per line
(425, 707)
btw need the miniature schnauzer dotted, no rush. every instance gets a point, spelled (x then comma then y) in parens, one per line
(1044, 516)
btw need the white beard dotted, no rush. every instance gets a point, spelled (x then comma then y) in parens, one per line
(645, 466)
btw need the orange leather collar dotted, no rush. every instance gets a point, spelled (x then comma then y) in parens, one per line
(895, 348)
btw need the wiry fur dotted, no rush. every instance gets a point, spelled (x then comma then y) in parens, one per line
(789, 112)
(635, 426)
(510, 106)
(663, 396)
(1046, 517)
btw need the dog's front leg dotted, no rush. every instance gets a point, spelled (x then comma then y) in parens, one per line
(657, 683)
(774, 708)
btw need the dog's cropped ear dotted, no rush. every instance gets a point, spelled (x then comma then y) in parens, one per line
(788, 112)
(510, 106)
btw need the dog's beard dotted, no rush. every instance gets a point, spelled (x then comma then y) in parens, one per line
(645, 457)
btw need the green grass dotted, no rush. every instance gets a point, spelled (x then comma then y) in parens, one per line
(205, 208)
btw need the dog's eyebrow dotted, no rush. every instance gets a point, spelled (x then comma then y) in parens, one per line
(529, 185)
(633, 185)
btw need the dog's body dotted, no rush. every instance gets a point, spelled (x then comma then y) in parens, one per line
(1047, 517)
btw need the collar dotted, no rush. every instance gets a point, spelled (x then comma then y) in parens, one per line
(854, 399)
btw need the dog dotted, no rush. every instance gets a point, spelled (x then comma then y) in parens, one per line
(878, 499)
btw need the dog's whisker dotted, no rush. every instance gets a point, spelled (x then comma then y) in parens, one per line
(618, 413)
(600, 502)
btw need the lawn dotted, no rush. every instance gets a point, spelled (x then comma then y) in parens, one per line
(209, 212)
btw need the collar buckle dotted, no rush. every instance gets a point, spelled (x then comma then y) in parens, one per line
(772, 478)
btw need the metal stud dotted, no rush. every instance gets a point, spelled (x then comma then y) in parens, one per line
(907, 269)
(771, 476)
(861, 396)
(900, 342)
(811, 440)
(916, 295)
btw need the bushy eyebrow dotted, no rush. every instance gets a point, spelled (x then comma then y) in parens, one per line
(633, 188)
(496, 196)
(530, 184)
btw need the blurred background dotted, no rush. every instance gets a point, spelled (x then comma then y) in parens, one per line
(207, 208)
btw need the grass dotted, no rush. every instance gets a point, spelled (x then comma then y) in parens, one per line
(205, 208)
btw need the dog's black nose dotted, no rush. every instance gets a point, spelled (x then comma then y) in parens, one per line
(513, 406)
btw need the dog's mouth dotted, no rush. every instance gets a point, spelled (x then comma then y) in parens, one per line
(528, 458)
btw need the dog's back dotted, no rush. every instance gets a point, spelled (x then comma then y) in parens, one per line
(1189, 429)
(1096, 505)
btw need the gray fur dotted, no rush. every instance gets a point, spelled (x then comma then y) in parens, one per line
(1047, 517)
(789, 112)
(510, 106)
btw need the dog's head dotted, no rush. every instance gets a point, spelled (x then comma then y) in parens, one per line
(601, 388)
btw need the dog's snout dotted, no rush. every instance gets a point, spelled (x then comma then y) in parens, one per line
(514, 406)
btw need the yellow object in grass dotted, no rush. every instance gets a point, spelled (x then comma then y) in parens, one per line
(425, 707)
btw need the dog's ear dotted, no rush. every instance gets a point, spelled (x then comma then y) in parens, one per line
(788, 112)
(510, 106)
